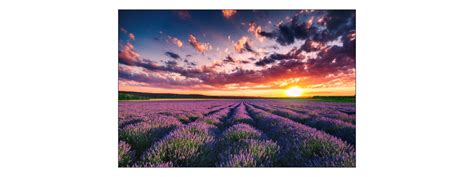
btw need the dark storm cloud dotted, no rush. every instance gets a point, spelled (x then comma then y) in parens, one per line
(287, 33)
(334, 23)
(338, 24)
(244, 62)
(250, 49)
(293, 54)
(171, 63)
(274, 47)
(243, 45)
(340, 19)
(229, 59)
(189, 63)
(173, 55)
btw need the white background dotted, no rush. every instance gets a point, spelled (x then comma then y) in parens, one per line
(58, 87)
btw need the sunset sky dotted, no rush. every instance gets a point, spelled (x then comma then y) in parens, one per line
(237, 53)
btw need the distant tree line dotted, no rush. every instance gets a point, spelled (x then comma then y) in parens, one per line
(335, 98)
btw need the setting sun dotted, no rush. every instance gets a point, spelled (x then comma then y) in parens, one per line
(294, 92)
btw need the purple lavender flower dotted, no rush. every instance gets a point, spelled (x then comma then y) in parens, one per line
(215, 118)
(153, 165)
(240, 116)
(125, 154)
(249, 153)
(338, 128)
(239, 132)
(191, 145)
(243, 159)
(341, 160)
(141, 135)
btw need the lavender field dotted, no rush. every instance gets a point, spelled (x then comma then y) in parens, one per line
(236, 133)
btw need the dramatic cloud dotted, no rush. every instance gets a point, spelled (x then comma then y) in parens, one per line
(173, 55)
(239, 46)
(318, 69)
(128, 55)
(256, 30)
(287, 33)
(293, 54)
(200, 47)
(310, 49)
(331, 25)
(228, 13)
(229, 59)
(161, 79)
(243, 45)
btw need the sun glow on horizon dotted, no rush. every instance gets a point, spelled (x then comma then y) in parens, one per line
(294, 92)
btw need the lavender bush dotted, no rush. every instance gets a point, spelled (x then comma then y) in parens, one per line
(240, 116)
(240, 132)
(338, 128)
(141, 135)
(191, 145)
(249, 153)
(243, 146)
(125, 154)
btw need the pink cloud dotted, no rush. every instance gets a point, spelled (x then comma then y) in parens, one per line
(175, 41)
(128, 55)
(131, 36)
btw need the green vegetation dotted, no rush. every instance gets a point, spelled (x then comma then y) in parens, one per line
(151, 96)
(346, 99)
(127, 96)
(146, 96)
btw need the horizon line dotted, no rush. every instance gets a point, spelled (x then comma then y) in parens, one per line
(231, 95)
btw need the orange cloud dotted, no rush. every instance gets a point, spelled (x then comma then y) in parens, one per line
(309, 23)
(255, 29)
(176, 41)
(239, 46)
(201, 47)
(228, 13)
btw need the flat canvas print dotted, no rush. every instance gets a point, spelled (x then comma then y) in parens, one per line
(236, 88)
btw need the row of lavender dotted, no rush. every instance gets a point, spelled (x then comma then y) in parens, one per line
(231, 133)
